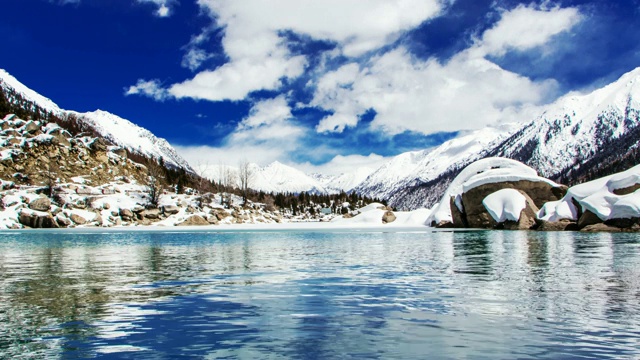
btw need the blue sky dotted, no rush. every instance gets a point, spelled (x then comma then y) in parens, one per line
(326, 85)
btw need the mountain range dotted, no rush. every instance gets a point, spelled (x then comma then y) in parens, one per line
(574, 139)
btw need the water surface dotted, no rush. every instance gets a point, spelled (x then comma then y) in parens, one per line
(340, 294)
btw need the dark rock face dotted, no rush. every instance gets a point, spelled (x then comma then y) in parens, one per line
(37, 220)
(459, 218)
(627, 190)
(561, 225)
(588, 218)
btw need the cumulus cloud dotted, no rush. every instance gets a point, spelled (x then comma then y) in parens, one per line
(259, 57)
(524, 28)
(150, 88)
(164, 7)
(467, 92)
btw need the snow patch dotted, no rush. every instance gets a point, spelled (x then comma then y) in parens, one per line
(505, 205)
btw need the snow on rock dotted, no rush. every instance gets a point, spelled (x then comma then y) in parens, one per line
(605, 197)
(505, 205)
(481, 172)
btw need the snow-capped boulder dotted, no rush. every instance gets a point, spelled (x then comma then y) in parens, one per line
(483, 178)
(511, 209)
(612, 199)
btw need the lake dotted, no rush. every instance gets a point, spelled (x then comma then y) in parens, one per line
(319, 294)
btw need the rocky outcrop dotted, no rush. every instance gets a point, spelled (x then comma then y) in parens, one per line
(388, 217)
(40, 204)
(194, 220)
(37, 220)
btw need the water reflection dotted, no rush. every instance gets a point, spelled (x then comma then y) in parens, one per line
(319, 295)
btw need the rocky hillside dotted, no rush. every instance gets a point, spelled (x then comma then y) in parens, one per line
(18, 99)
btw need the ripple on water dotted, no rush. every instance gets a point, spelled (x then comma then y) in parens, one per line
(319, 295)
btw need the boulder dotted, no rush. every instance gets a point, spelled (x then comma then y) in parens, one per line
(170, 209)
(476, 214)
(194, 220)
(126, 213)
(31, 127)
(37, 220)
(62, 220)
(99, 144)
(600, 227)
(77, 219)
(40, 204)
(151, 214)
(588, 218)
(388, 217)
(624, 223)
(562, 225)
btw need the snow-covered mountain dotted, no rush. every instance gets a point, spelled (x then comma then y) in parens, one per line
(117, 130)
(344, 182)
(576, 138)
(275, 177)
(423, 166)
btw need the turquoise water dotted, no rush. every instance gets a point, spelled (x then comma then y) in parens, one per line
(318, 295)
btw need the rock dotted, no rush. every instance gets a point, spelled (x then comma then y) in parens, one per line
(30, 127)
(212, 220)
(106, 206)
(444, 225)
(562, 225)
(388, 217)
(151, 214)
(477, 216)
(126, 213)
(102, 157)
(459, 220)
(99, 144)
(37, 220)
(40, 204)
(122, 152)
(627, 190)
(600, 227)
(194, 220)
(624, 223)
(62, 220)
(60, 137)
(170, 209)
(588, 218)
(79, 220)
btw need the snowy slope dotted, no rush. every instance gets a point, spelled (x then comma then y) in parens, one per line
(345, 181)
(426, 165)
(275, 177)
(117, 130)
(576, 127)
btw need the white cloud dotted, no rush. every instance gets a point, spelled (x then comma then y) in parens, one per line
(194, 58)
(150, 88)
(259, 57)
(524, 28)
(467, 92)
(235, 80)
(164, 6)
(267, 134)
